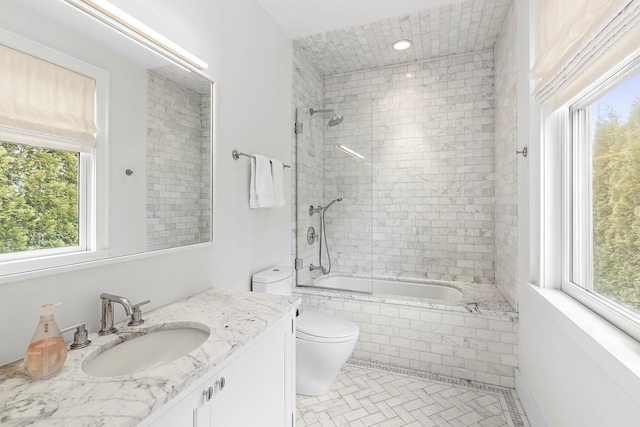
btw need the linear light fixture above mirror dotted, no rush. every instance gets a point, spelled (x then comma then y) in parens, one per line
(349, 151)
(118, 19)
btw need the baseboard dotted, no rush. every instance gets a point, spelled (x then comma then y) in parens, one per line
(531, 410)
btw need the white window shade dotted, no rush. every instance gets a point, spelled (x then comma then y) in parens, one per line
(43, 101)
(580, 40)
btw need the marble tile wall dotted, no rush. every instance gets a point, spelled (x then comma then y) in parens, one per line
(206, 193)
(455, 344)
(506, 189)
(420, 205)
(452, 29)
(178, 165)
(307, 161)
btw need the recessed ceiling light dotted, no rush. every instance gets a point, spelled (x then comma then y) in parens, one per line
(403, 44)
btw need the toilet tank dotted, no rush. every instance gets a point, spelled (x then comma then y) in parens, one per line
(275, 280)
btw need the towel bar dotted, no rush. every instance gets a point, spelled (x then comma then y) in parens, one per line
(236, 155)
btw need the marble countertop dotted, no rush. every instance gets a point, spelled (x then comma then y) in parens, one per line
(73, 398)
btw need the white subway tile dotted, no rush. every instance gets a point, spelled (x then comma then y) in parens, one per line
(509, 360)
(501, 348)
(488, 378)
(443, 349)
(509, 338)
(429, 357)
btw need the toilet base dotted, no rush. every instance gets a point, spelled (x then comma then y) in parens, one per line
(318, 364)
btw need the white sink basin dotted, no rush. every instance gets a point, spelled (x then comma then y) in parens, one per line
(145, 351)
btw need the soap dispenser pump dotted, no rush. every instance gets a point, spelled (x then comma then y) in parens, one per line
(47, 351)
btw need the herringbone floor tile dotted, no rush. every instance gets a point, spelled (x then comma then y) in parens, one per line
(382, 396)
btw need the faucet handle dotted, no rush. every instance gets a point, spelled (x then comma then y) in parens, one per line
(136, 315)
(80, 337)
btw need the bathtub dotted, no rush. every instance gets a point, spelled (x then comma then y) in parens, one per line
(401, 288)
(452, 329)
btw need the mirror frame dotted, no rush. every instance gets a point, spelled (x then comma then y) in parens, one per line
(85, 259)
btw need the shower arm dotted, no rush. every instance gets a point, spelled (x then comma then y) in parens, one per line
(335, 120)
(327, 110)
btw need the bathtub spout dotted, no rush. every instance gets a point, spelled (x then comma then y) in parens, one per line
(318, 267)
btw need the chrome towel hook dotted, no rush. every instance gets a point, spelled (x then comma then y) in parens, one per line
(524, 152)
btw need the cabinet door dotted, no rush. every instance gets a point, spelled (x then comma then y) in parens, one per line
(257, 384)
(194, 410)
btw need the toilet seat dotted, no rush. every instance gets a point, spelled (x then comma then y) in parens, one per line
(318, 327)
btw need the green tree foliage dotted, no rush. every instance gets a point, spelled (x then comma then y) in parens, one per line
(616, 208)
(38, 198)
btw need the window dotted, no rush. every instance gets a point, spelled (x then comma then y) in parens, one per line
(51, 107)
(40, 198)
(604, 200)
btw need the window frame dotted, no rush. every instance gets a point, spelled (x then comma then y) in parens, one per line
(92, 180)
(84, 194)
(577, 227)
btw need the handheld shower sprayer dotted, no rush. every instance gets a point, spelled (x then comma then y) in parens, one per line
(339, 199)
(320, 209)
(323, 236)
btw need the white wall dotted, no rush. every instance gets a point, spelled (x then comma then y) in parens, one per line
(579, 370)
(250, 61)
(249, 58)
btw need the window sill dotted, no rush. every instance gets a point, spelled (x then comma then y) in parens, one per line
(11, 270)
(615, 351)
(87, 260)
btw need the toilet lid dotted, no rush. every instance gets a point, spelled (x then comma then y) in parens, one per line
(314, 326)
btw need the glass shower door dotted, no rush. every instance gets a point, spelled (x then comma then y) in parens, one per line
(309, 191)
(333, 165)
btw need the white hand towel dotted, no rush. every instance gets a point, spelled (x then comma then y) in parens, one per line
(277, 171)
(261, 188)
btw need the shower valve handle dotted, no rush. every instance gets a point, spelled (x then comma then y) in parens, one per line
(312, 236)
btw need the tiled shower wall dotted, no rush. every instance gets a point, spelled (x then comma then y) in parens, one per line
(307, 154)
(506, 196)
(178, 164)
(421, 203)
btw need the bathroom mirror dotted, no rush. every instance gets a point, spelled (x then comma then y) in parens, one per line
(158, 135)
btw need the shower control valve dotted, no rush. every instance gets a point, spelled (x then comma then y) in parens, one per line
(311, 236)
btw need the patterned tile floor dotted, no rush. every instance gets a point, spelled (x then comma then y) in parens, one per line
(367, 394)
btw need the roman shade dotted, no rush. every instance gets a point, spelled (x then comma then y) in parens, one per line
(579, 41)
(44, 104)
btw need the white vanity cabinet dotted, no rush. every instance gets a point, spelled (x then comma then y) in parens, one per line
(193, 409)
(255, 387)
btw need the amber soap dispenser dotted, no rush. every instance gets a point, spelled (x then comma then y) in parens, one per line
(47, 351)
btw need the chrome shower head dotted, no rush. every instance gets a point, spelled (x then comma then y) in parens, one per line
(335, 119)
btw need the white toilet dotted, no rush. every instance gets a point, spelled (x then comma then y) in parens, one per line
(323, 342)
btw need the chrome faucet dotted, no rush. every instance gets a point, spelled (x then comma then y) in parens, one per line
(318, 267)
(106, 322)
